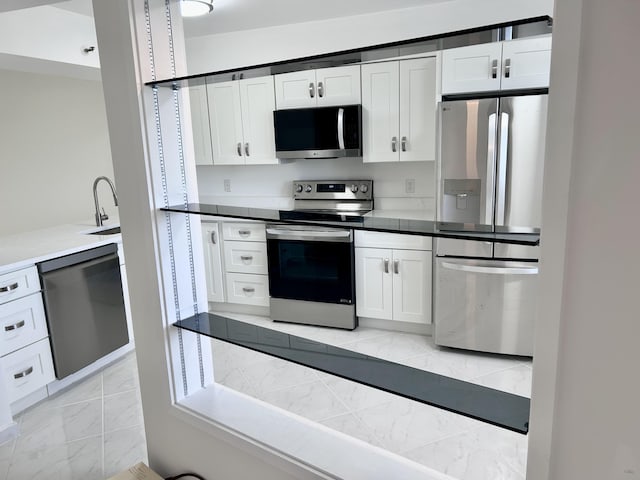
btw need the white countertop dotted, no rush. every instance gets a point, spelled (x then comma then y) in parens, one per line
(408, 214)
(24, 249)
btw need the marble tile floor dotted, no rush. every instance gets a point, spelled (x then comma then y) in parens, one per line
(456, 445)
(90, 431)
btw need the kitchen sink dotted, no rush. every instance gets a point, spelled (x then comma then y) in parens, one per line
(106, 231)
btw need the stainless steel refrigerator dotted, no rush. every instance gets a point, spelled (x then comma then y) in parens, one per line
(490, 178)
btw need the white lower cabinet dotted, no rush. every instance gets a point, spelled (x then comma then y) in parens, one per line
(245, 257)
(28, 369)
(393, 284)
(22, 322)
(211, 242)
(248, 289)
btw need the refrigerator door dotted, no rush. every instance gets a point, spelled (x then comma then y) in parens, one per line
(485, 305)
(466, 171)
(520, 164)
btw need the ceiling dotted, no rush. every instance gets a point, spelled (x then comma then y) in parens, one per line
(234, 15)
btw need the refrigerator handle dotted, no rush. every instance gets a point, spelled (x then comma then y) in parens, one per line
(491, 270)
(491, 166)
(501, 176)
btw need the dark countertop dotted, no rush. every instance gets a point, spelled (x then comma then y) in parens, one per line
(462, 231)
(476, 401)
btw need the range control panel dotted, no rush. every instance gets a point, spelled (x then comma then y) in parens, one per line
(333, 189)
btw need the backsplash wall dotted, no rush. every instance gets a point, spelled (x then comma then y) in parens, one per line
(272, 183)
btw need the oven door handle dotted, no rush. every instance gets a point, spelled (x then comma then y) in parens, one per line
(312, 236)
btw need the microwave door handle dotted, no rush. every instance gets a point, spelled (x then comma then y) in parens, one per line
(341, 128)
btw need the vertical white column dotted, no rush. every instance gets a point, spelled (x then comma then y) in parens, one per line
(586, 388)
(139, 42)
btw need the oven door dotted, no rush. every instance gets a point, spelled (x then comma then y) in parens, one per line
(314, 264)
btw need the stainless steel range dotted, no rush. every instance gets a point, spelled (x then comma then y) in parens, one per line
(311, 268)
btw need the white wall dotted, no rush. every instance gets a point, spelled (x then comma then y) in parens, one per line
(275, 180)
(53, 143)
(252, 47)
(586, 392)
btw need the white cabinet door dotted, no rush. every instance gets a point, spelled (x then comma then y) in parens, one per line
(338, 86)
(380, 112)
(418, 90)
(374, 289)
(213, 261)
(475, 68)
(412, 286)
(526, 63)
(226, 123)
(200, 125)
(296, 89)
(245, 257)
(257, 101)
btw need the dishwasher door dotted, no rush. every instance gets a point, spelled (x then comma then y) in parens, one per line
(85, 307)
(485, 305)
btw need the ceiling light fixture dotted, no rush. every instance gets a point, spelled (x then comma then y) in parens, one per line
(195, 8)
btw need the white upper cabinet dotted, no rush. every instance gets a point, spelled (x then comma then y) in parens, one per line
(509, 65)
(200, 125)
(241, 116)
(322, 87)
(399, 100)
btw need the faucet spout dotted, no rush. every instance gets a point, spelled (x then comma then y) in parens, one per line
(100, 217)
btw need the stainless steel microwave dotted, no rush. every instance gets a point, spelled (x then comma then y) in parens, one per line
(321, 132)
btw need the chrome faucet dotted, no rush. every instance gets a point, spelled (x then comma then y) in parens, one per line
(100, 217)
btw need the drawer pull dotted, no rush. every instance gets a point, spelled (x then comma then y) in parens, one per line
(9, 288)
(244, 233)
(23, 373)
(246, 258)
(15, 326)
(248, 289)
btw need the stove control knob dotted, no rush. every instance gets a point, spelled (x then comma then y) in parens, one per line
(364, 188)
(308, 189)
(298, 188)
(354, 188)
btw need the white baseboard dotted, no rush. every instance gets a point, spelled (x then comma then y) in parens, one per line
(395, 326)
(9, 432)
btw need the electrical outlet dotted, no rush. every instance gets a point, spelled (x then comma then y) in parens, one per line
(410, 185)
(227, 185)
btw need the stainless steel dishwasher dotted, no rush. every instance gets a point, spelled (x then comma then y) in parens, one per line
(84, 305)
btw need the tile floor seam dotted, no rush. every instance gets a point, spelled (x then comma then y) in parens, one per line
(372, 429)
(505, 369)
(119, 393)
(335, 395)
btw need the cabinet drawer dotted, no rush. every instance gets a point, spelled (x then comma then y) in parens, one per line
(28, 369)
(245, 257)
(248, 289)
(19, 284)
(391, 240)
(22, 322)
(249, 232)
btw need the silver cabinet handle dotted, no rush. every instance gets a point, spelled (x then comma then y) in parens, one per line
(15, 326)
(248, 289)
(244, 233)
(403, 142)
(246, 149)
(386, 265)
(214, 240)
(320, 90)
(239, 148)
(8, 288)
(507, 68)
(23, 373)
(492, 146)
(396, 266)
(494, 69)
(246, 258)
(312, 92)
(394, 144)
